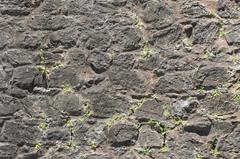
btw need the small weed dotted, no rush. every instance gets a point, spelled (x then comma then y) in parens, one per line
(146, 150)
(178, 121)
(221, 34)
(56, 66)
(167, 113)
(206, 54)
(138, 21)
(235, 58)
(215, 149)
(85, 116)
(164, 149)
(220, 24)
(159, 126)
(201, 90)
(72, 144)
(68, 88)
(43, 126)
(138, 125)
(215, 152)
(198, 156)
(38, 146)
(217, 116)
(216, 92)
(93, 146)
(42, 57)
(237, 98)
(70, 125)
(43, 69)
(136, 106)
(114, 118)
(189, 98)
(83, 156)
(147, 51)
(212, 14)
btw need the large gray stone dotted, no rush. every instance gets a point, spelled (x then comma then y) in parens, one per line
(199, 125)
(99, 61)
(8, 151)
(9, 105)
(18, 57)
(175, 83)
(150, 109)
(69, 103)
(211, 76)
(204, 33)
(63, 38)
(49, 22)
(194, 9)
(233, 36)
(150, 138)
(122, 134)
(26, 77)
(106, 105)
(20, 134)
(230, 143)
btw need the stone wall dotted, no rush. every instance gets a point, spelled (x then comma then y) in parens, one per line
(119, 79)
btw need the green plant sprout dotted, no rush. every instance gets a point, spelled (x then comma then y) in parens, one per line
(167, 113)
(147, 51)
(159, 126)
(56, 66)
(178, 120)
(68, 88)
(235, 58)
(164, 149)
(138, 125)
(85, 116)
(215, 149)
(198, 156)
(217, 116)
(42, 56)
(136, 106)
(216, 92)
(83, 156)
(221, 34)
(38, 146)
(201, 90)
(190, 98)
(109, 122)
(70, 125)
(72, 144)
(43, 126)
(146, 150)
(138, 21)
(212, 14)
(220, 24)
(237, 98)
(93, 146)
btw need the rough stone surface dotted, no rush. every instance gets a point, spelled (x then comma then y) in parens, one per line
(8, 150)
(119, 79)
(122, 134)
(149, 137)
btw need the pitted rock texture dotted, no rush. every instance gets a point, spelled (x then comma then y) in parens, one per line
(119, 79)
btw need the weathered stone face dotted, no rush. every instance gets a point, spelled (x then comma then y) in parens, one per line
(9, 105)
(20, 134)
(122, 134)
(119, 79)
